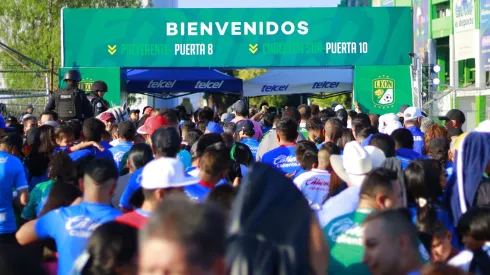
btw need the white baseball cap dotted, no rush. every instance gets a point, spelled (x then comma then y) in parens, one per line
(338, 107)
(385, 120)
(392, 126)
(356, 163)
(165, 173)
(412, 113)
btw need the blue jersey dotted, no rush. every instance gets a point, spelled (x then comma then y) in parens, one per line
(60, 148)
(133, 185)
(119, 151)
(252, 144)
(283, 158)
(365, 142)
(106, 145)
(418, 139)
(185, 157)
(91, 151)
(198, 191)
(12, 176)
(406, 155)
(71, 227)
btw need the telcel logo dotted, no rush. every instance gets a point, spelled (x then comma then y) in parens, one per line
(325, 85)
(209, 84)
(161, 84)
(274, 88)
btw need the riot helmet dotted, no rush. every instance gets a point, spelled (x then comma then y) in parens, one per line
(99, 86)
(72, 75)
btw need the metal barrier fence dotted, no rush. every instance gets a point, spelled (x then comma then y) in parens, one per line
(464, 99)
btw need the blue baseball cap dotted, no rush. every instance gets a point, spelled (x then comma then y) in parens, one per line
(214, 127)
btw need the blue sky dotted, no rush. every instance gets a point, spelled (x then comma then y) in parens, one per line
(256, 3)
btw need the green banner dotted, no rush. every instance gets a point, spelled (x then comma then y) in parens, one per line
(111, 76)
(382, 89)
(299, 37)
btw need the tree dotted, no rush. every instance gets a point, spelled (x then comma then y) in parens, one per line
(344, 99)
(33, 28)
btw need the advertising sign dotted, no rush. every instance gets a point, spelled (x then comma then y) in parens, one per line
(464, 28)
(299, 37)
(111, 76)
(485, 33)
(421, 28)
(382, 89)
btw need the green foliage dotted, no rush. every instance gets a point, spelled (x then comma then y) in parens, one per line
(33, 28)
(345, 100)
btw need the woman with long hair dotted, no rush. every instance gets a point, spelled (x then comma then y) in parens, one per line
(425, 180)
(39, 155)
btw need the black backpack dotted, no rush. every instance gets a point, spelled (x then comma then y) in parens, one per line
(68, 103)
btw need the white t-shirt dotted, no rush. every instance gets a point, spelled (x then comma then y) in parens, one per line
(343, 203)
(464, 258)
(314, 185)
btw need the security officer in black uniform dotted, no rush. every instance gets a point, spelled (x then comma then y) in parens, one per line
(99, 104)
(70, 102)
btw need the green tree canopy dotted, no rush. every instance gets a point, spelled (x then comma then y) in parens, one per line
(33, 27)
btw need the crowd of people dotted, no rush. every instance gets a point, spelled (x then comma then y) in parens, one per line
(308, 190)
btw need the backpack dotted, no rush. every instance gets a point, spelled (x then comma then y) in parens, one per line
(67, 103)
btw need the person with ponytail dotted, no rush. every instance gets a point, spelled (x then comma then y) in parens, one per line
(425, 180)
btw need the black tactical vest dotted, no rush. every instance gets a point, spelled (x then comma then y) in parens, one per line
(69, 103)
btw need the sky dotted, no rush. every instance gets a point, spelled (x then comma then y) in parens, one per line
(256, 3)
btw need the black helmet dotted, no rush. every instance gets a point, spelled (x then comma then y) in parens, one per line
(72, 75)
(99, 86)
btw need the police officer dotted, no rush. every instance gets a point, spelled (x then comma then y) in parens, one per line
(70, 102)
(99, 105)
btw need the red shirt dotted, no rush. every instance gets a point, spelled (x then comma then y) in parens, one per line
(137, 218)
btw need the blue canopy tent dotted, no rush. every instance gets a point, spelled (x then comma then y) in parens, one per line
(172, 83)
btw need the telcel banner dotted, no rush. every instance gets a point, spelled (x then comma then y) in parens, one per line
(299, 37)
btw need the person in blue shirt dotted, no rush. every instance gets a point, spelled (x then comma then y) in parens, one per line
(213, 167)
(12, 177)
(92, 131)
(412, 119)
(404, 146)
(165, 142)
(126, 132)
(284, 157)
(245, 132)
(71, 226)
